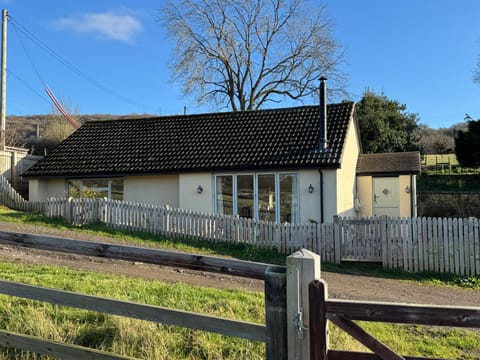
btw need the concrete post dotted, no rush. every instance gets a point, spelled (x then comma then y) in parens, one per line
(303, 267)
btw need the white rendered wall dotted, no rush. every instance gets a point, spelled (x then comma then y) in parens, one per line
(346, 175)
(158, 190)
(41, 190)
(309, 202)
(189, 196)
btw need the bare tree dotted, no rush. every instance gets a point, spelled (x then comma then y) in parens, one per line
(58, 128)
(244, 53)
(13, 137)
(55, 130)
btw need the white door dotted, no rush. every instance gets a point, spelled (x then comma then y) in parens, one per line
(385, 197)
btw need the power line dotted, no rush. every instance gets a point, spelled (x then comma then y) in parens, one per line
(29, 57)
(69, 65)
(26, 84)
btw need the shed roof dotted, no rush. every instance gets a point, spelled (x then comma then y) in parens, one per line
(385, 163)
(248, 140)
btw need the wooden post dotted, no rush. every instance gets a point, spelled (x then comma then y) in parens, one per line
(3, 86)
(303, 267)
(276, 313)
(318, 294)
(13, 168)
(337, 240)
(69, 210)
(384, 241)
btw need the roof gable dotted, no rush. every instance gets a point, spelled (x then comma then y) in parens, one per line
(261, 139)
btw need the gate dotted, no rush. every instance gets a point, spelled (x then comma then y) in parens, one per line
(360, 239)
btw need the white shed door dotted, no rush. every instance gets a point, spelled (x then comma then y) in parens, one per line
(385, 197)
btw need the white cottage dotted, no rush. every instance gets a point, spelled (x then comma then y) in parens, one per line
(293, 164)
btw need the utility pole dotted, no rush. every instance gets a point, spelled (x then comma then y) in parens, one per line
(3, 105)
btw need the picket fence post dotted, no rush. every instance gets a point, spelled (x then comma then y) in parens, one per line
(384, 241)
(337, 240)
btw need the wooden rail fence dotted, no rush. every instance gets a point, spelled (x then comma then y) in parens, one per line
(273, 333)
(342, 313)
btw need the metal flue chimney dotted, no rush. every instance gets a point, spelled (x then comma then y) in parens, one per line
(323, 138)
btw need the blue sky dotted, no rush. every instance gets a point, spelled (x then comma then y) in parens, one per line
(419, 52)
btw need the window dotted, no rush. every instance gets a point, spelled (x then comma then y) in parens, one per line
(268, 197)
(224, 195)
(245, 196)
(288, 198)
(267, 208)
(96, 188)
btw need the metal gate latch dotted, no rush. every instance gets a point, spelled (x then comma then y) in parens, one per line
(298, 321)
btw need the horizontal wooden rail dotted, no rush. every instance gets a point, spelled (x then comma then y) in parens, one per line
(53, 348)
(353, 355)
(157, 314)
(234, 267)
(468, 317)
(343, 313)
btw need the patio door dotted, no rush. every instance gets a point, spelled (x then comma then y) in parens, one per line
(386, 197)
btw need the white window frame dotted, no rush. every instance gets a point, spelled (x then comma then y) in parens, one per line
(107, 188)
(255, 175)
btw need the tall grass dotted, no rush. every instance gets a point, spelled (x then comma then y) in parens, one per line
(148, 340)
(125, 336)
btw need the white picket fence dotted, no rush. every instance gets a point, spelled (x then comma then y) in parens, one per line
(188, 224)
(412, 244)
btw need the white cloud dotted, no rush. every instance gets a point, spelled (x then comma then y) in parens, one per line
(116, 26)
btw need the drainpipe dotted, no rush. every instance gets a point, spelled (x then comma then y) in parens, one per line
(413, 195)
(321, 196)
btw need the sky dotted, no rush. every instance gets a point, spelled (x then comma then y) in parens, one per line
(112, 56)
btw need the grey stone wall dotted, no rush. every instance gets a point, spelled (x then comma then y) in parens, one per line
(448, 204)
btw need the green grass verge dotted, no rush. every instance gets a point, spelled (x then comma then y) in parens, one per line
(238, 251)
(147, 340)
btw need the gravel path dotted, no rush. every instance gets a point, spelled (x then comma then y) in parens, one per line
(341, 286)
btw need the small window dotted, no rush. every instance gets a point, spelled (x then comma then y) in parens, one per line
(96, 188)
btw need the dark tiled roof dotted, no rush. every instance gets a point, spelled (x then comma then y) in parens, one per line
(249, 140)
(401, 163)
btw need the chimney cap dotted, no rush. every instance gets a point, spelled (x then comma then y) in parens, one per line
(322, 78)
